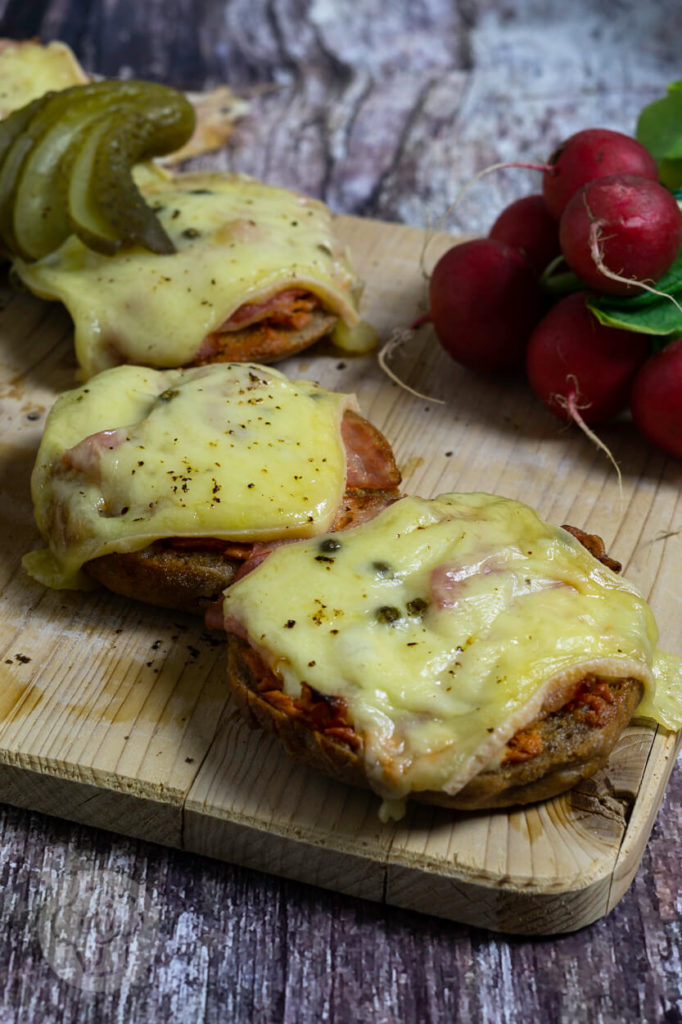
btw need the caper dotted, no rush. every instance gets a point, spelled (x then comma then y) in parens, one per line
(417, 606)
(388, 613)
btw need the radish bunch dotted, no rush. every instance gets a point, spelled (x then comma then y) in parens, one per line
(572, 286)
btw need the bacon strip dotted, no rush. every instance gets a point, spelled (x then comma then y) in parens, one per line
(328, 715)
(266, 331)
(292, 307)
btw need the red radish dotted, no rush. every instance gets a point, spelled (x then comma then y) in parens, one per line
(589, 154)
(618, 230)
(528, 225)
(656, 400)
(581, 369)
(484, 300)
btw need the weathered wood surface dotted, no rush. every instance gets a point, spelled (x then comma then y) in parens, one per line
(384, 110)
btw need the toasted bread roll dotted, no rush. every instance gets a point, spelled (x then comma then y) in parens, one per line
(542, 760)
(457, 651)
(163, 485)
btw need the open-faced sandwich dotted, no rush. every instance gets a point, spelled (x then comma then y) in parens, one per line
(160, 269)
(459, 651)
(256, 274)
(164, 484)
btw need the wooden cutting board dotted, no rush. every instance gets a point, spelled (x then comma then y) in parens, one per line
(117, 715)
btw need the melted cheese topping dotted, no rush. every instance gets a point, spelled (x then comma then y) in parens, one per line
(233, 451)
(29, 69)
(238, 241)
(444, 624)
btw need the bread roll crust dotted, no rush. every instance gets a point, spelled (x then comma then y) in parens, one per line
(573, 742)
(182, 580)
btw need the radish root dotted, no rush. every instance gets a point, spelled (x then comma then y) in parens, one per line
(570, 403)
(430, 231)
(401, 336)
(596, 239)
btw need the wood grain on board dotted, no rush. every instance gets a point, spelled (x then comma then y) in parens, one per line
(117, 715)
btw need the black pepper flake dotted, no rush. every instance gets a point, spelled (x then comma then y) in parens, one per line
(290, 623)
(324, 558)
(330, 544)
(382, 568)
(191, 233)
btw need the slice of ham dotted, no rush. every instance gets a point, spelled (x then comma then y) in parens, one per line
(370, 461)
(85, 457)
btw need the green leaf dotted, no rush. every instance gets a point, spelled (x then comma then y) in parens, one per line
(670, 173)
(662, 318)
(645, 312)
(659, 126)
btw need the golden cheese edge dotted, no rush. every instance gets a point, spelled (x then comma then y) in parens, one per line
(443, 624)
(29, 68)
(234, 451)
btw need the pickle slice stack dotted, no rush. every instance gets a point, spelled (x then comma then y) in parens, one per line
(66, 163)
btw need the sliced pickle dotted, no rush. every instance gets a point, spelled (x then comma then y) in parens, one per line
(83, 216)
(52, 140)
(39, 219)
(113, 190)
(15, 143)
(15, 123)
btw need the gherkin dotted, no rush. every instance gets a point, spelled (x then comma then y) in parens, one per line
(66, 164)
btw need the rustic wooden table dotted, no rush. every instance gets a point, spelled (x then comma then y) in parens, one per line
(383, 110)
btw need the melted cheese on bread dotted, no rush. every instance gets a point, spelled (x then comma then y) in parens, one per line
(238, 241)
(28, 69)
(444, 625)
(233, 451)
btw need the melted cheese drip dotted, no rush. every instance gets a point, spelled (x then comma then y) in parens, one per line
(233, 451)
(443, 624)
(238, 241)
